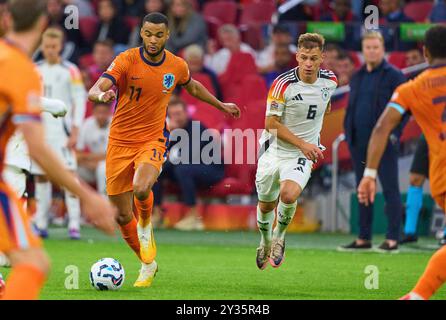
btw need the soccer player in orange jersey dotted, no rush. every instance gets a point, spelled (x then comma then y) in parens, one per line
(425, 98)
(145, 78)
(20, 107)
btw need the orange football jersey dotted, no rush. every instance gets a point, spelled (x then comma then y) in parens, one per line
(20, 92)
(425, 98)
(143, 92)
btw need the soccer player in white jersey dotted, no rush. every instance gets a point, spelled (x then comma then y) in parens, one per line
(62, 80)
(297, 102)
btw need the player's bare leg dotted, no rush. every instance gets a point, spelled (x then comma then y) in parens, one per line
(289, 192)
(30, 268)
(143, 181)
(265, 221)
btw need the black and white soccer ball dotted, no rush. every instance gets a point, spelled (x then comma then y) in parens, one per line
(107, 274)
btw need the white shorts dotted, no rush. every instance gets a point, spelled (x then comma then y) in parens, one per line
(15, 177)
(272, 170)
(65, 154)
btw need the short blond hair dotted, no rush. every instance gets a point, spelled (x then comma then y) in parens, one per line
(53, 33)
(310, 41)
(373, 35)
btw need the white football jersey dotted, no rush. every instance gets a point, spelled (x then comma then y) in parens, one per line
(63, 81)
(301, 107)
(93, 137)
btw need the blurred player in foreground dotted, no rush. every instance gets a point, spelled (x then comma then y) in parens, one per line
(425, 98)
(297, 102)
(145, 78)
(20, 107)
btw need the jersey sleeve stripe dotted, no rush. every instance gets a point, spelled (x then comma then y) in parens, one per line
(279, 87)
(187, 82)
(397, 107)
(110, 77)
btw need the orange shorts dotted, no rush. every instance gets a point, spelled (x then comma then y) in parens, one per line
(121, 163)
(15, 227)
(441, 201)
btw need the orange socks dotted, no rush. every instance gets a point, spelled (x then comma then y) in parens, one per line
(130, 235)
(434, 275)
(24, 283)
(144, 209)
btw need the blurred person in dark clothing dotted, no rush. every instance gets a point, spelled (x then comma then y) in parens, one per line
(283, 61)
(188, 176)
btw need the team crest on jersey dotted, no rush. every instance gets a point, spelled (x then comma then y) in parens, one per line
(274, 105)
(325, 94)
(168, 80)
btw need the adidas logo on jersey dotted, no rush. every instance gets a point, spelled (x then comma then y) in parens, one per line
(297, 98)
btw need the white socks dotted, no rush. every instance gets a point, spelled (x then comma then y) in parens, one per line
(43, 195)
(265, 223)
(285, 213)
(74, 211)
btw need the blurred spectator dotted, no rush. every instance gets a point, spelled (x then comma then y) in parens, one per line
(300, 12)
(85, 8)
(92, 146)
(103, 55)
(331, 54)
(194, 56)
(186, 26)
(438, 13)
(344, 68)
(111, 25)
(342, 12)
(371, 89)
(414, 57)
(283, 61)
(149, 7)
(131, 7)
(391, 15)
(280, 36)
(74, 45)
(229, 37)
(187, 175)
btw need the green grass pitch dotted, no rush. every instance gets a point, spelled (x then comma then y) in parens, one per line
(221, 265)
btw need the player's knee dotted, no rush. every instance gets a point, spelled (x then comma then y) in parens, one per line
(416, 180)
(266, 207)
(141, 192)
(288, 196)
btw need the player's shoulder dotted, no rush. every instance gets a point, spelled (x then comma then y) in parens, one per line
(328, 75)
(286, 77)
(14, 62)
(173, 58)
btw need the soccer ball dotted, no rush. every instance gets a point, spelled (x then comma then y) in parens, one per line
(2, 286)
(107, 274)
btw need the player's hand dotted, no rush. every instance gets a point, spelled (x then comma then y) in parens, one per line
(311, 152)
(100, 212)
(108, 96)
(367, 191)
(232, 109)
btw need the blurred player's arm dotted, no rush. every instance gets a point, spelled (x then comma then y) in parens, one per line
(95, 207)
(197, 90)
(390, 118)
(277, 128)
(101, 91)
(54, 106)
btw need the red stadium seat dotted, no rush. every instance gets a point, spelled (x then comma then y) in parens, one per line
(257, 13)
(252, 35)
(209, 116)
(418, 10)
(85, 61)
(88, 26)
(225, 11)
(398, 59)
(213, 24)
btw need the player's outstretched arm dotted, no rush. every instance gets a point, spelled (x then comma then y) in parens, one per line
(377, 145)
(97, 209)
(101, 91)
(197, 90)
(274, 126)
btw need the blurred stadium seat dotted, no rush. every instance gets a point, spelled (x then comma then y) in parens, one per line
(418, 10)
(225, 11)
(398, 59)
(257, 13)
(88, 26)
